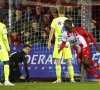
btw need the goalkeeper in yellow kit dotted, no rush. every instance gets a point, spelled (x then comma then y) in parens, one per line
(57, 29)
(4, 49)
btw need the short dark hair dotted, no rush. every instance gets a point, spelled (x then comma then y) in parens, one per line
(27, 46)
(68, 22)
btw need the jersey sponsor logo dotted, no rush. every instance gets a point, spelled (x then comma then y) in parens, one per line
(74, 38)
(60, 23)
(75, 41)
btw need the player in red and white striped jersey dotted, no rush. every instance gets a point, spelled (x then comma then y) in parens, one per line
(78, 37)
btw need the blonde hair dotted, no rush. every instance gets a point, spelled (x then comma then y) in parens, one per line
(61, 10)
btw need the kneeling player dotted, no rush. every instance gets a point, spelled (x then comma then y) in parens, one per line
(17, 58)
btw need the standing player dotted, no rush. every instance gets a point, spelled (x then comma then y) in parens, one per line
(56, 27)
(4, 49)
(78, 38)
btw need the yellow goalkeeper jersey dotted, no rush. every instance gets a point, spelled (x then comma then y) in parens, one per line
(57, 24)
(4, 45)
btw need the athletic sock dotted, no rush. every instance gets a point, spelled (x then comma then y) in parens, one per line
(71, 72)
(58, 72)
(92, 63)
(6, 72)
(94, 73)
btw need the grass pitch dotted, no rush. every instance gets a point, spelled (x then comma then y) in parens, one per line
(52, 86)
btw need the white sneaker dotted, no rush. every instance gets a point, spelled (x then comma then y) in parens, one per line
(73, 81)
(8, 83)
(57, 81)
(1, 84)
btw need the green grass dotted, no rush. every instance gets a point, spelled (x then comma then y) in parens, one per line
(51, 86)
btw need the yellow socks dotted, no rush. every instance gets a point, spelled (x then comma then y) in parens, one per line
(71, 72)
(6, 72)
(58, 72)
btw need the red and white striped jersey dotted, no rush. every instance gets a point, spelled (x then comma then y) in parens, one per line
(78, 38)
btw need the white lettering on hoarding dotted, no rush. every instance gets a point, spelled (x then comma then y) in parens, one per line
(29, 68)
(49, 59)
(96, 57)
(63, 61)
(42, 59)
(35, 68)
(33, 59)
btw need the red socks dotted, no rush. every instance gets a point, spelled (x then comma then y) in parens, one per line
(93, 72)
(92, 63)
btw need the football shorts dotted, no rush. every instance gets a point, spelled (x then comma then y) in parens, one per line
(66, 52)
(4, 56)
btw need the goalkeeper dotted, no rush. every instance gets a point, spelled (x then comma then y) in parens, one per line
(4, 50)
(15, 60)
(56, 27)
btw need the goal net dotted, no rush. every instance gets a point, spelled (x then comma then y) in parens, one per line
(28, 22)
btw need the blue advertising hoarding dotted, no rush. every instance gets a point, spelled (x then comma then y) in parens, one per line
(42, 65)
